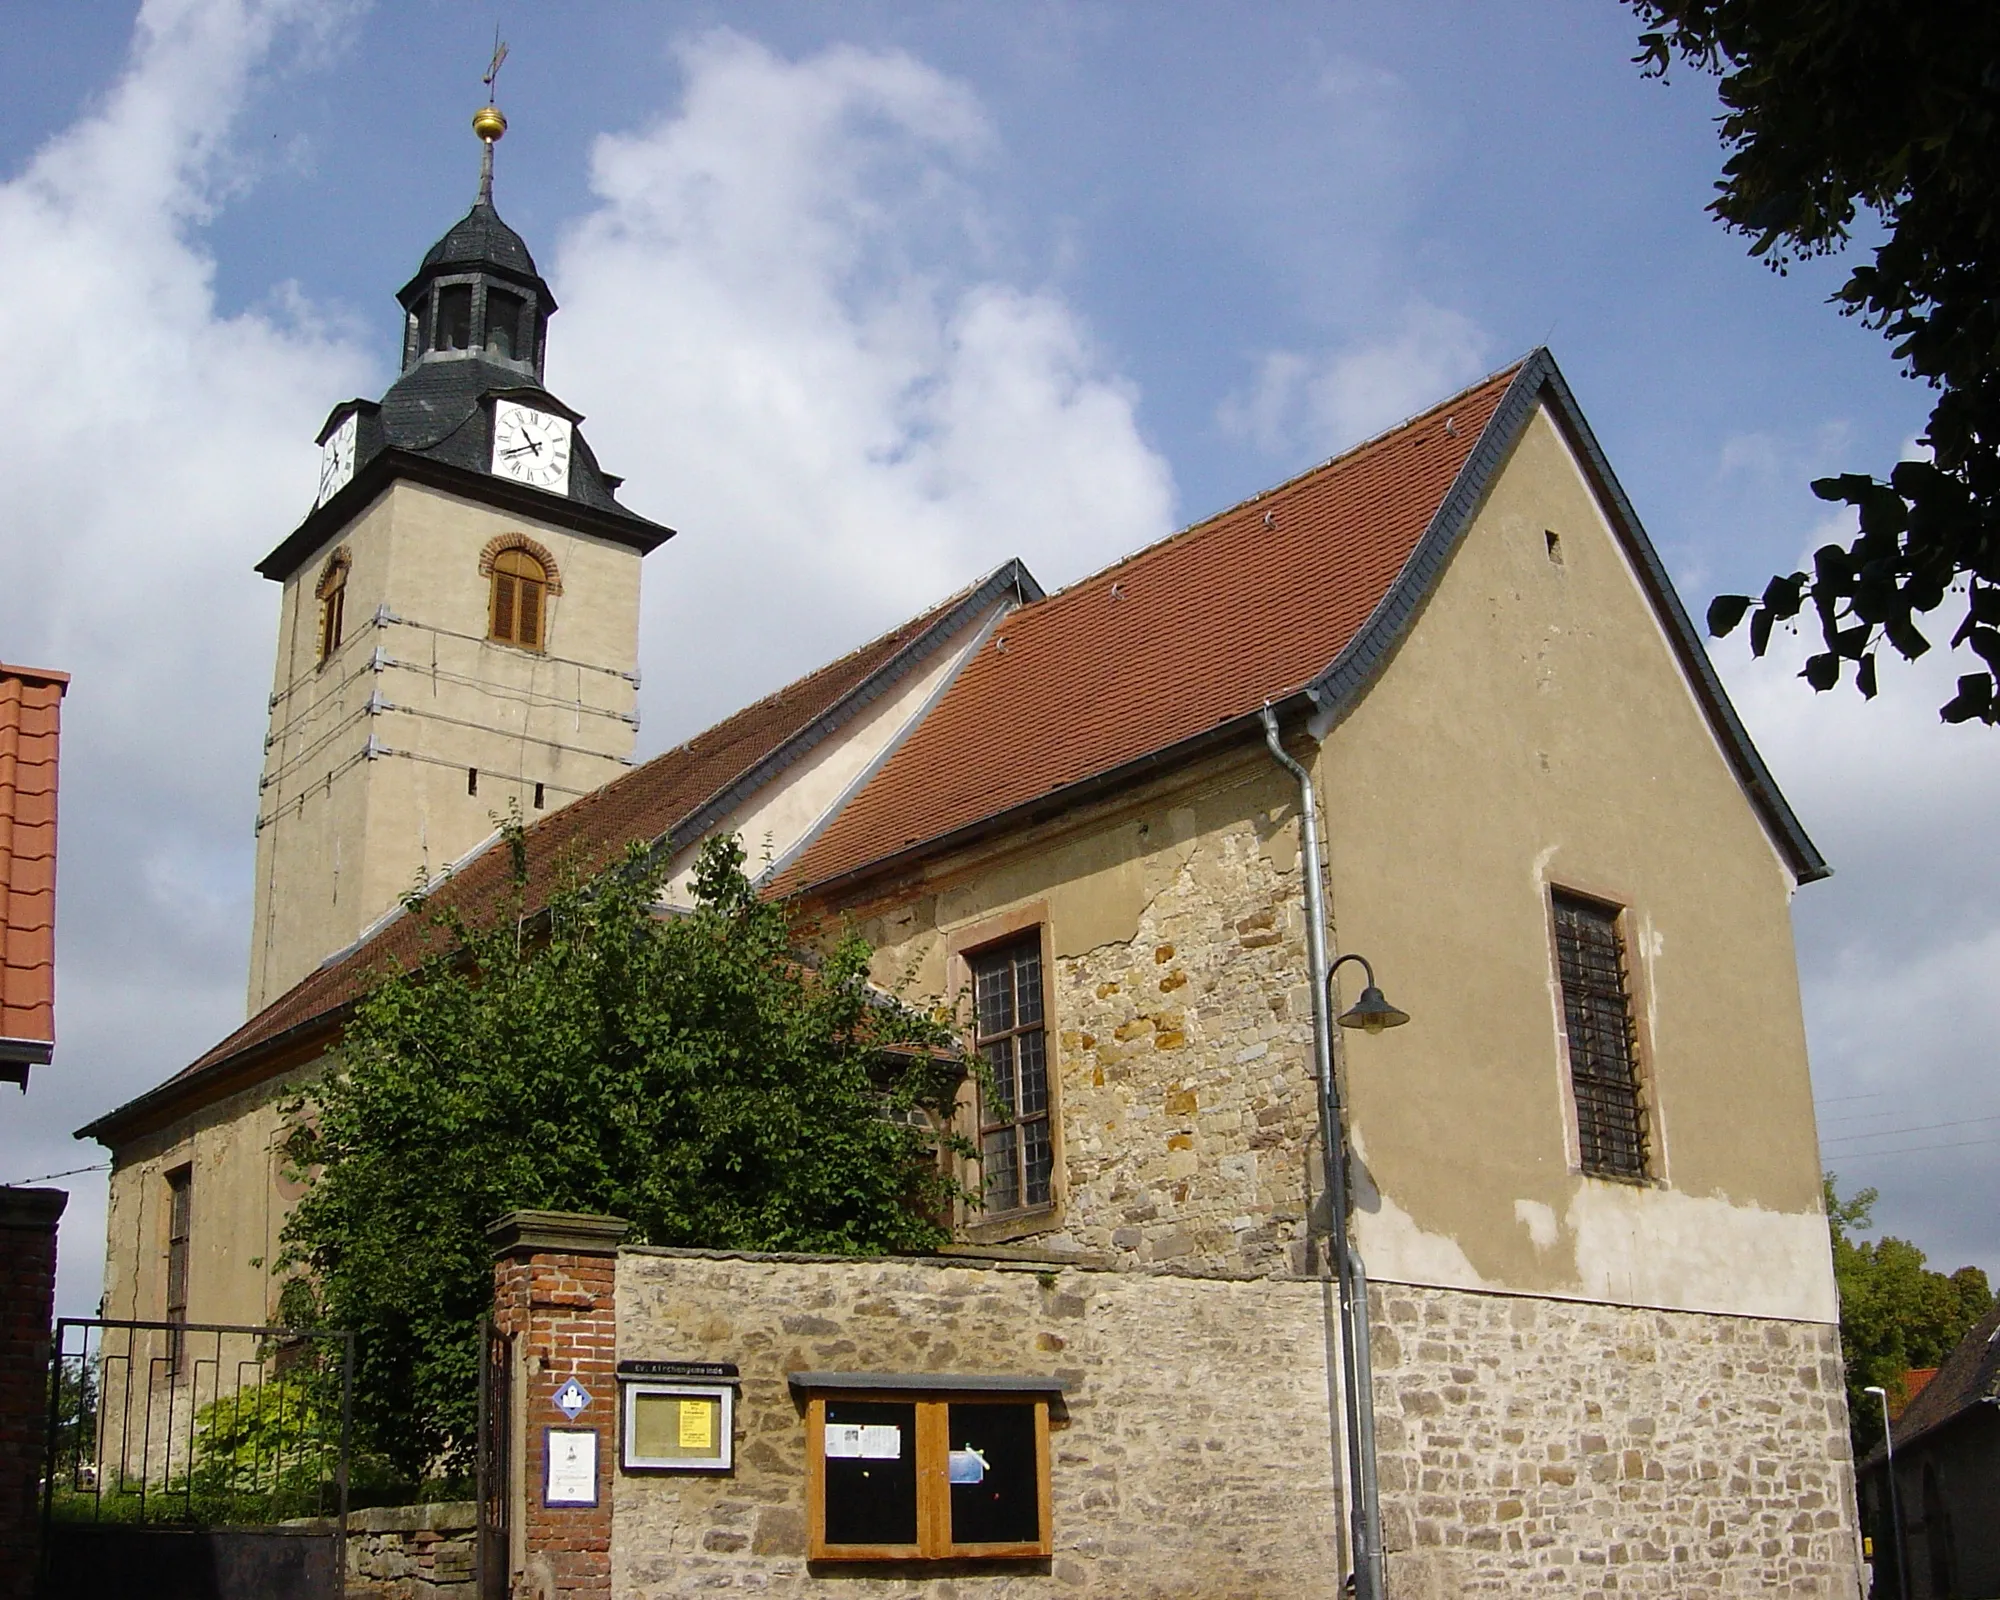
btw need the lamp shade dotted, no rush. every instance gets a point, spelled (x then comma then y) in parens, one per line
(1372, 1012)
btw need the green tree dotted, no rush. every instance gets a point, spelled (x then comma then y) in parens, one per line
(1895, 1313)
(693, 1074)
(1832, 109)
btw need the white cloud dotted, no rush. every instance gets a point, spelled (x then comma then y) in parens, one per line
(1326, 402)
(784, 319)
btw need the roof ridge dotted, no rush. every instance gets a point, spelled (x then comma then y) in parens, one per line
(1208, 522)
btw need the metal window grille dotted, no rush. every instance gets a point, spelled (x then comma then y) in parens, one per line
(1017, 1155)
(1603, 1063)
(180, 1221)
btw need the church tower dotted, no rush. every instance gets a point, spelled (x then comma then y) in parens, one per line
(459, 627)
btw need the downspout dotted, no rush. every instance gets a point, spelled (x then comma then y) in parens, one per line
(1358, 1400)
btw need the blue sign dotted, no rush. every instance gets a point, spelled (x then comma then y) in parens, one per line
(571, 1398)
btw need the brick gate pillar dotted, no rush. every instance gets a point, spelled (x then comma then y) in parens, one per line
(27, 1299)
(553, 1293)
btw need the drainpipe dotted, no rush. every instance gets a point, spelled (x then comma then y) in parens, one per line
(1357, 1397)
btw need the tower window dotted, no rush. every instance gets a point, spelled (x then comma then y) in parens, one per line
(454, 317)
(332, 593)
(504, 315)
(541, 796)
(520, 588)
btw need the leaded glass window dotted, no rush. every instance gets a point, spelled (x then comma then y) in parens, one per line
(1017, 1153)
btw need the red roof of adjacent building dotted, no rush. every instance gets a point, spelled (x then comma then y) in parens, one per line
(1188, 634)
(30, 725)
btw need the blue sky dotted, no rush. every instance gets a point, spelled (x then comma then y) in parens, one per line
(864, 299)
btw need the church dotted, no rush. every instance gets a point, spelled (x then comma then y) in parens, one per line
(1433, 702)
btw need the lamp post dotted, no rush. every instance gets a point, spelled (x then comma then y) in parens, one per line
(1371, 1013)
(1895, 1499)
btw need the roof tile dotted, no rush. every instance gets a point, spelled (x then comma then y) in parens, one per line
(1187, 634)
(30, 717)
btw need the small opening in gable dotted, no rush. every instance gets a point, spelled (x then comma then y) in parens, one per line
(1555, 545)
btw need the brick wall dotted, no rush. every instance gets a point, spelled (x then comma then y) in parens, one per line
(27, 1300)
(554, 1294)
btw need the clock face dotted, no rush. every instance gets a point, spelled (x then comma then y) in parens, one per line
(336, 460)
(531, 446)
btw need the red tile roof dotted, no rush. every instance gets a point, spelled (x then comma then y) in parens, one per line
(1191, 633)
(30, 725)
(672, 794)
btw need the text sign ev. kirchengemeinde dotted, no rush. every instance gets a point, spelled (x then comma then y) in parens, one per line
(705, 1371)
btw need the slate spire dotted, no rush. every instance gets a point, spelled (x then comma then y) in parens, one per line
(478, 292)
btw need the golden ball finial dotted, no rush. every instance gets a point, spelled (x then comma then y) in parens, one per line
(488, 123)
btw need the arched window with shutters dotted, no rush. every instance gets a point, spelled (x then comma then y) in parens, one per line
(520, 599)
(332, 593)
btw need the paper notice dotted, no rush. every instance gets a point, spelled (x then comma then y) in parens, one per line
(572, 1468)
(698, 1424)
(967, 1466)
(884, 1443)
(843, 1440)
(864, 1441)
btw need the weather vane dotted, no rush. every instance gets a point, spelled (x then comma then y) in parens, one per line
(493, 67)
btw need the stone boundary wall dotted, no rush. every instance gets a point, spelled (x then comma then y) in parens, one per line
(412, 1552)
(1190, 1456)
(1527, 1445)
(1531, 1445)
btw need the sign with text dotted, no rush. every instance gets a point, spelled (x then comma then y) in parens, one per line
(570, 1460)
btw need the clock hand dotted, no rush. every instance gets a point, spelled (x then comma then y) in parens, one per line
(523, 449)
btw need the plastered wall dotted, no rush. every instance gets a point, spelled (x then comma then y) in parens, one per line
(342, 833)
(1534, 730)
(240, 1200)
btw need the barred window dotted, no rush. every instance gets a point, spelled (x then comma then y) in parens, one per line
(1017, 1157)
(1597, 1015)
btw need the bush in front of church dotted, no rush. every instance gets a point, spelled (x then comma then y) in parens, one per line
(693, 1073)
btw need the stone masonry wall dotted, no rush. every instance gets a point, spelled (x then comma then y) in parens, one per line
(1190, 1454)
(412, 1552)
(1547, 1446)
(1188, 1100)
(1527, 1445)
(1181, 1030)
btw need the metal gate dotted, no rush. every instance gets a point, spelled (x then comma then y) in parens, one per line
(496, 1393)
(196, 1461)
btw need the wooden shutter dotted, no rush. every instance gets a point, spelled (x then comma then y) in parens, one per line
(519, 584)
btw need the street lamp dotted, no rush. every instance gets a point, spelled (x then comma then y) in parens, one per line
(1371, 1013)
(1895, 1500)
